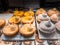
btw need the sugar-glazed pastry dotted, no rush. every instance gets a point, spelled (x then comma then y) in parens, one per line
(47, 27)
(42, 17)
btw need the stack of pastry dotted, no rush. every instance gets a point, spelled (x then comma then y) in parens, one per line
(26, 18)
(41, 15)
(27, 30)
(46, 27)
(54, 15)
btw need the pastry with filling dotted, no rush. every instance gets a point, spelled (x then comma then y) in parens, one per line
(10, 30)
(18, 13)
(2, 22)
(29, 13)
(42, 17)
(15, 19)
(21, 13)
(40, 11)
(58, 25)
(27, 19)
(27, 30)
(46, 27)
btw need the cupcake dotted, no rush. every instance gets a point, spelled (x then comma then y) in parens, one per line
(42, 17)
(58, 26)
(47, 27)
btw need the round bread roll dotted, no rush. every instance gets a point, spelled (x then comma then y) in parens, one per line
(15, 19)
(2, 22)
(10, 30)
(27, 30)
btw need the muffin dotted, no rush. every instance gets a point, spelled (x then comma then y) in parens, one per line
(42, 17)
(27, 19)
(14, 19)
(2, 22)
(40, 11)
(10, 30)
(27, 30)
(58, 26)
(47, 27)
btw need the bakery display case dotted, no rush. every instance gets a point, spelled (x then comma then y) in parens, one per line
(30, 22)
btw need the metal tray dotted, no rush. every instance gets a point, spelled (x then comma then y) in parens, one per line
(16, 37)
(53, 36)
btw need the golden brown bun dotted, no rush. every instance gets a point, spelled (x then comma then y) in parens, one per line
(10, 30)
(2, 22)
(27, 30)
(14, 19)
(28, 19)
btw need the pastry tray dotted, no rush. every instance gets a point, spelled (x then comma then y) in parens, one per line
(54, 36)
(17, 37)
